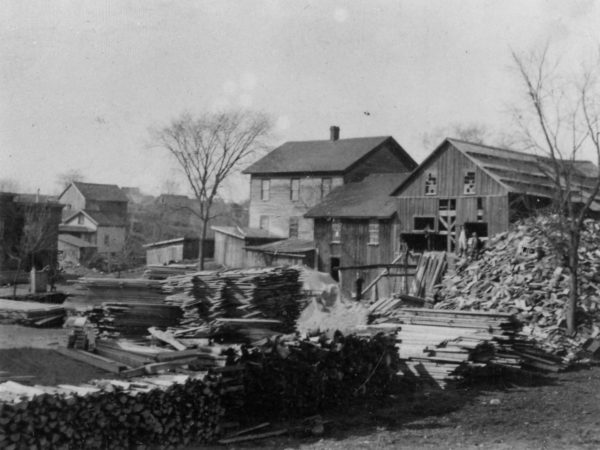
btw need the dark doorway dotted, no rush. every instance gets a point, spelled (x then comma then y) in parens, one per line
(334, 265)
(481, 228)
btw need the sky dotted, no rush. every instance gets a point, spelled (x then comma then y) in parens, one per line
(82, 82)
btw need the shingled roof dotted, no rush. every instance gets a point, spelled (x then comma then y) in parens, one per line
(369, 198)
(101, 192)
(518, 172)
(321, 156)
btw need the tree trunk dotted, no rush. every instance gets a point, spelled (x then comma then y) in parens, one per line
(201, 249)
(574, 285)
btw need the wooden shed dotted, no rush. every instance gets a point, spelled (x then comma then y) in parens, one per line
(478, 187)
(172, 250)
(283, 253)
(231, 244)
(357, 233)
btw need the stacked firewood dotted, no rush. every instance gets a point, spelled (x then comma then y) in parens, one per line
(165, 411)
(519, 273)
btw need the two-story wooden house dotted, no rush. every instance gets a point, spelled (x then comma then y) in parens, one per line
(480, 187)
(296, 176)
(95, 213)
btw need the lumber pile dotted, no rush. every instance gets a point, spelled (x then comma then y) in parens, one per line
(519, 273)
(132, 319)
(127, 290)
(159, 272)
(164, 411)
(265, 293)
(31, 313)
(444, 348)
(430, 268)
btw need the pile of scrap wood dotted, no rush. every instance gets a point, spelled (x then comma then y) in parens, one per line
(165, 411)
(159, 272)
(265, 293)
(31, 313)
(519, 273)
(132, 319)
(120, 289)
(446, 347)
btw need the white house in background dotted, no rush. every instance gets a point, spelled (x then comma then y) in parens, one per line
(96, 214)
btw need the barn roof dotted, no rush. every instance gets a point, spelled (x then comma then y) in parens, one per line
(517, 172)
(369, 198)
(101, 192)
(321, 156)
(75, 241)
(291, 245)
(246, 232)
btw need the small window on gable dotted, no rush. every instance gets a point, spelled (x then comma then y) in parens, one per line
(325, 186)
(264, 223)
(424, 223)
(336, 231)
(469, 186)
(374, 232)
(294, 189)
(80, 219)
(431, 183)
(265, 187)
(293, 232)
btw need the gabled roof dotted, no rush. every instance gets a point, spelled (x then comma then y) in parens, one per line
(288, 246)
(170, 242)
(370, 198)
(100, 218)
(322, 156)
(517, 172)
(74, 241)
(246, 232)
(100, 192)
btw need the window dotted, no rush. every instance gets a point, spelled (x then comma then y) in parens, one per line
(424, 223)
(80, 219)
(479, 209)
(447, 204)
(431, 183)
(294, 221)
(325, 186)
(374, 232)
(336, 231)
(265, 187)
(106, 240)
(264, 223)
(469, 187)
(295, 189)
(479, 203)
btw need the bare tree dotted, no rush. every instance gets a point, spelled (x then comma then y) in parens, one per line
(66, 178)
(208, 149)
(560, 121)
(35, 234)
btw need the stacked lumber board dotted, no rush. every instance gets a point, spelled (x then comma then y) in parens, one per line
(31, 313)
(159, 272)
(120, 289)
(443, 348)
(519, 273)
(430, 268)
(265, 293)
(166, 411)
(132, 319)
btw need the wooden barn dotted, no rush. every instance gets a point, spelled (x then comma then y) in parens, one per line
(475, 186)
(231, 243)
(288, 252)
(172, 250)
(357, 233)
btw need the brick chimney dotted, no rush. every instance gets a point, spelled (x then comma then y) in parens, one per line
(334, 133)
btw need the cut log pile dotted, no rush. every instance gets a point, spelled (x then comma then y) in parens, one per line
(165, 411)
(519, 274)
(132, 319)
(130, 290)
(448, 347)
(31, 313)
(265, 293)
